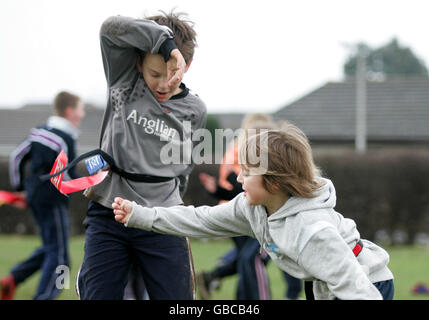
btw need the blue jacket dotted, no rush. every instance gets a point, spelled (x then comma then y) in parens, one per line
(36, 155)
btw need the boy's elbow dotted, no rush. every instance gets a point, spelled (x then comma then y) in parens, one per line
(114, 25)
(105, 26)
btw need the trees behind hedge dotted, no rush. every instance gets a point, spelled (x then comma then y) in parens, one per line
(390, 60)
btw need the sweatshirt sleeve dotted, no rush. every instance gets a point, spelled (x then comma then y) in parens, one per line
(17, 162)
(123, 38)
(328, 258)
(225, 220)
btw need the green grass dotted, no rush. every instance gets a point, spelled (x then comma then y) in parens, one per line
(409, 265)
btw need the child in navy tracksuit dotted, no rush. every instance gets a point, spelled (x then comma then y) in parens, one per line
(48, 205)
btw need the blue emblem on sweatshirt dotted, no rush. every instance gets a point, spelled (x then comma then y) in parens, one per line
(273, 248)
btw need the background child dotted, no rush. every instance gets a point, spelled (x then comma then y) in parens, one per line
(246, 259)
(48, 205)
(147, 108)
(289, 209)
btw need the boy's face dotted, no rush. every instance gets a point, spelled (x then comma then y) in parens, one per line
(154, 70)
(254, 189)
(75, 114)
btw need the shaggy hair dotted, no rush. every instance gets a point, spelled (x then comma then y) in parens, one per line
(183, 31)
(289, 167)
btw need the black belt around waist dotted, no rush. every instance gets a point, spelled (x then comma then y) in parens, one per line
(308, 285)
(137, 177)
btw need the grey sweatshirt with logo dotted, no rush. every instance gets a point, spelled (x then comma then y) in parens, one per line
(137, 130)
(306, 238)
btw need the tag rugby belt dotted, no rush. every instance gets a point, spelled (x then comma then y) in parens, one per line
(100, 163)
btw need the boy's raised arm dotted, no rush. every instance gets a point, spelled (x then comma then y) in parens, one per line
(122, 38)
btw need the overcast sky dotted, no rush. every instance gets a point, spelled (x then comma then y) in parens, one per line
(253, 56)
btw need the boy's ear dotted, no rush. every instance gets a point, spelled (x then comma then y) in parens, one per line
(139, 64)
(276, 187)
(188, 65)
(67, 112)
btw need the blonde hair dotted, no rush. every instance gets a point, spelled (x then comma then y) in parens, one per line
(255, 123)
(290, 166)
(249, 120)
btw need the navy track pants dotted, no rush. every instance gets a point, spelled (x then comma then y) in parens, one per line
(110, 247)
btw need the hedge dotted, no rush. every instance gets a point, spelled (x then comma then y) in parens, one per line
(381, 190)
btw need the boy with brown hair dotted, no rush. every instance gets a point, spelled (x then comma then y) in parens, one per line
(148, 108)
(289, 208)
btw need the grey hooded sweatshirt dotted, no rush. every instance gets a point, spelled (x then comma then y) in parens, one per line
(306, 238)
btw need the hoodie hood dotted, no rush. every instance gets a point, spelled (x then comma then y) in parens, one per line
(325, 197)
(63, 124)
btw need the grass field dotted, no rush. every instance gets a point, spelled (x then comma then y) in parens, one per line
(409, 265)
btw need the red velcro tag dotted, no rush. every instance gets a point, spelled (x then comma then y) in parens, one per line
(59, 164)
(12, 198)
(66, 187)
(357, 249)
(82, 183)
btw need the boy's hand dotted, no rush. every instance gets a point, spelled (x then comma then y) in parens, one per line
(176, 67)
(208, 181)
(122, 209)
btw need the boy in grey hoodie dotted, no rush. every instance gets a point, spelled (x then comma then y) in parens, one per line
(289, 209)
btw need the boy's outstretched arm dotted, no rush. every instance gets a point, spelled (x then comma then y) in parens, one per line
(225, 220)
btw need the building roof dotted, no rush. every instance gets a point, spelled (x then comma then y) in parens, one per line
(397, 110)
(15, 125)
(229, 120)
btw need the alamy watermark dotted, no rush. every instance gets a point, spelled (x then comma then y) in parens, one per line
(63, 278)
(203, 147)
